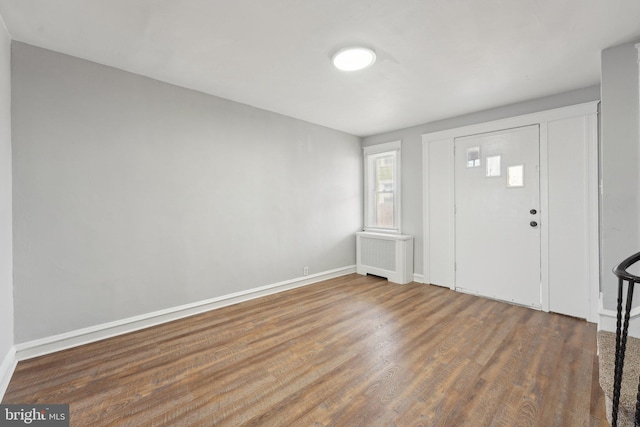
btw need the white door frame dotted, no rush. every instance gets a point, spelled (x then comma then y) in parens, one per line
(438, 199)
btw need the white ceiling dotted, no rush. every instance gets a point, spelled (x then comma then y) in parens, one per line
(436, 58)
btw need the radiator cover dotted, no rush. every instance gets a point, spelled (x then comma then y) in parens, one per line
(385, 255)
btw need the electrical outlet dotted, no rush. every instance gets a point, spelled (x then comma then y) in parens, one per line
(305, 271)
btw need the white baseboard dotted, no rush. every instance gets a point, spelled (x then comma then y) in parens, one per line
(418, 278)
(7, 367)
(607, 320)
(91, 334)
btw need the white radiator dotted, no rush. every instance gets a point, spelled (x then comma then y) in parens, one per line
(385, 255)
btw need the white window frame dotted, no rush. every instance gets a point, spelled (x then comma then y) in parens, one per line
(370, 153)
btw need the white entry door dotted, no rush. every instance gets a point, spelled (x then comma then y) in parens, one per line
(497, 219)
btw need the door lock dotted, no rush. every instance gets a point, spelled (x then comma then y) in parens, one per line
(533, 224)
(533, 211)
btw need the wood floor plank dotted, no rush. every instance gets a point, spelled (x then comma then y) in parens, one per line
(351, 351)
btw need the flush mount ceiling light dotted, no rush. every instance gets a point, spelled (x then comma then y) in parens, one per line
(353, 58)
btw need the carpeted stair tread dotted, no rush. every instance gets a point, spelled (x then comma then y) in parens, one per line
(629, 389)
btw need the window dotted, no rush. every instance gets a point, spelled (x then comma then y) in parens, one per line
(382, 187)
(473, 157)
(493, 165)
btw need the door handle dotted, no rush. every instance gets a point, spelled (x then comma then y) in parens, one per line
(533, 211)
(533, 224)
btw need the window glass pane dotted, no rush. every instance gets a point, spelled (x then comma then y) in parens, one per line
(384, 210)
(493, 166)
(384, 173)
(473, 157)
(515, 176)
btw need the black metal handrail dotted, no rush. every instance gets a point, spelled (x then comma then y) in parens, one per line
(621, 269)
(622, 329)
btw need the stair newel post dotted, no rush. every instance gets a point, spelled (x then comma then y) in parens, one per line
(619, 360)
(622, 330)
(621, 346)
(625, 332)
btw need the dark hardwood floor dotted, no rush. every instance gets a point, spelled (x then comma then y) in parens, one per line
(352, 351)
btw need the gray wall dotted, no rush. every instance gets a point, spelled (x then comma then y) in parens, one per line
(619, 161)
(412, 152)
(131, 195)
(6, 257)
